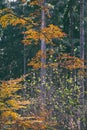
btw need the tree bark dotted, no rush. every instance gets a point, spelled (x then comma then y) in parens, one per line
(43, 55)
(82, 43)
(86, 47)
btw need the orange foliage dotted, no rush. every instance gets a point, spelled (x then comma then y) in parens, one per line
(10, 18)
(7, 19)
(70, 62)
(35, 2)
(64, 60)
(52, 31)
(10, 102)
(48, 33)
(35, 62)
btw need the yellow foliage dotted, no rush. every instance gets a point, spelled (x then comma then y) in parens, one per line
(48, 33)
(36, 61)
(10, 102)
(70, 62)
(31, 35)
(12, 114)
(35, 2)
(9, 18)
(64, 60)
(52, 31)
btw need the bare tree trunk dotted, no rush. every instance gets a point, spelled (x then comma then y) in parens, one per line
(85, 84)
(71, 31)
(82, 45)
(43, 55)
(24, 59)
(86, 47)
(82, 55)
(82, 29)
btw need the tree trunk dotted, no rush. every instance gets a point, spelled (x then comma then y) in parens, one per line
(82, 45)
(86, 47)
(43, 56)
(82, 55)
(71, 32)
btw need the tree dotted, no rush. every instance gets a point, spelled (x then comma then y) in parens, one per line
(12, 105)
(54, 69)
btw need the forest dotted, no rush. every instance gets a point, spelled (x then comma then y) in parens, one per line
(43, 64)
